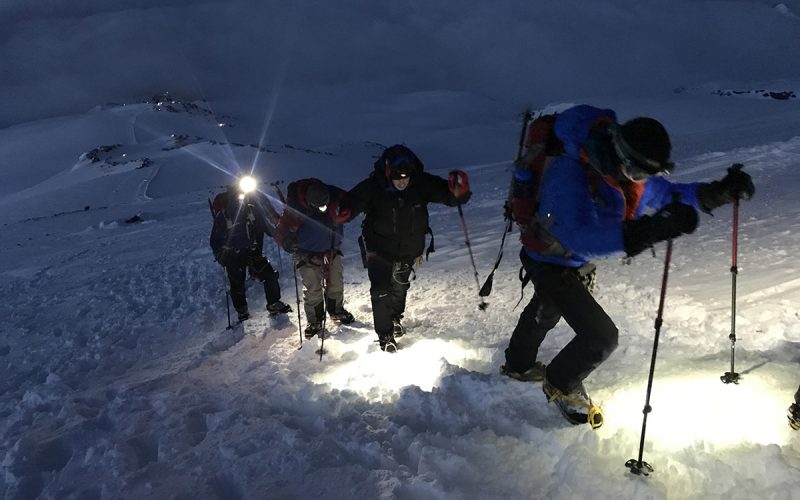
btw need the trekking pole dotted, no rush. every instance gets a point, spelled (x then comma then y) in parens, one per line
(638, 466)
(297, 299)
(732, 376)
(486, 289)
(326, 273)
(325, 270)
(483, 305)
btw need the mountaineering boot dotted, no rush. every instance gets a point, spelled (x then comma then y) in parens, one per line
(387, 342)
(342, 316)
(398, 330)
(278, 307)
(794, 416)
(312, 329)
(532, 374)
(243, 314)
(576, 406)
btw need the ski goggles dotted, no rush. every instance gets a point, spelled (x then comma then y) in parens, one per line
(634, 165)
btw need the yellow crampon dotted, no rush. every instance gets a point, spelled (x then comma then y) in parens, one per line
(594, 415)
(794, 416)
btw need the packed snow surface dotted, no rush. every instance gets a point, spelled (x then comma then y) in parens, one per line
(119, 378)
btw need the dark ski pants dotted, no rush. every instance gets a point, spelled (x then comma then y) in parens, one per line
(562, 292)
(314, 269)
(389, 284)
(236, 266)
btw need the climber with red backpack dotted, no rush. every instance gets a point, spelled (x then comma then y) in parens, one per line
(242, 216)
(311, 229)
(588, 188)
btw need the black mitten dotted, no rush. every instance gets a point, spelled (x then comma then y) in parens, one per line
(290, 242)
(736, 184)
(671, 221)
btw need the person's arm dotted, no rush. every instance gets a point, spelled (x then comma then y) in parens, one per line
(357, 200)
(338, 213)
(659, 192)
(736, 185)
(451, 191)
(290, 221)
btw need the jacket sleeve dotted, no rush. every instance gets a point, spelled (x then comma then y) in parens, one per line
(658, 192)
(437, 191)
(357, 200)
(336, 207)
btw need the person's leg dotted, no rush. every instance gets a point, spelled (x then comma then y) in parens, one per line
(311, 274)
(236, 270)
(401, 282)
(596, 336)
(539, 317)
(334, 293)
(262, 270)
(379, 271)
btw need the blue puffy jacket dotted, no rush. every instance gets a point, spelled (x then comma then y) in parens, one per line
(584, 211)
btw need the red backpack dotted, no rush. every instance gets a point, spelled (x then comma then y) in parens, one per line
(541, 147)
(218, 205)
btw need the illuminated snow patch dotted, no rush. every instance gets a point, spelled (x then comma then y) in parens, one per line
(701, 408)
(377, 375)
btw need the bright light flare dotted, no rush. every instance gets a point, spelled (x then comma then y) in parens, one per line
(378, 376)
(700, 408)
(247, 184)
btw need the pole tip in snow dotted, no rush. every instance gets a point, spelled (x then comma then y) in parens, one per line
(730, 378)
(639, 467)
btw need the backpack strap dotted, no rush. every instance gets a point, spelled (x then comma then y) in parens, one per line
(431, 248)
(524, 278)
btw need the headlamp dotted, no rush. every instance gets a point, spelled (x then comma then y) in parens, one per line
(247, 184)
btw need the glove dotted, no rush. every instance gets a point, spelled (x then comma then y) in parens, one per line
(671, 221)
(458, 183)
(736, 184)
(290, 242)
(342, 216)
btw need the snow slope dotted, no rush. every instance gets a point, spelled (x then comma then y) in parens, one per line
(119, 379)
